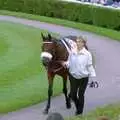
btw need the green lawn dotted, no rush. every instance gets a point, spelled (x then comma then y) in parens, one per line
(90, 28)
(112, 112)
(23, 79)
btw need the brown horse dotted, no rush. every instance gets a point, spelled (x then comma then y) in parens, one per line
(53, 52)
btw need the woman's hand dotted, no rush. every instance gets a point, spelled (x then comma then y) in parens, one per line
(93, 84)
(63, 63)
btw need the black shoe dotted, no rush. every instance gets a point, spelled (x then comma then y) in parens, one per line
(78, 113)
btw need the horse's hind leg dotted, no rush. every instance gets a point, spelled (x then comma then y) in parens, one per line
(68, 103)
(50, 92)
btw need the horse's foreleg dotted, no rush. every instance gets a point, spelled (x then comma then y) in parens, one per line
(68, 103)
(50, 92)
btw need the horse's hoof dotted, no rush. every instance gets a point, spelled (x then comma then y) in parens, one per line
(45, 112)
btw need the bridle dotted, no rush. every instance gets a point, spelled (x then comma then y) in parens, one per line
(59, 68)
(46, 42)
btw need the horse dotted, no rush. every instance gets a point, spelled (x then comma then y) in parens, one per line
(53, 52)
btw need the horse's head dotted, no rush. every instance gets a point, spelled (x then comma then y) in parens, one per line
(48, 49)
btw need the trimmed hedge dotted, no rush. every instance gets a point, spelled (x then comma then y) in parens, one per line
(105, 17)
(89, 14)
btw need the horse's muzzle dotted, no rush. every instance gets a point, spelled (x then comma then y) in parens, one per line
(45, 61)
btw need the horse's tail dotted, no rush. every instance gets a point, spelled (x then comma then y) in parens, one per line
(85, 44)
(93, 56)
(86, 47)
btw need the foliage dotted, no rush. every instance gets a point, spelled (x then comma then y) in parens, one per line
(89, 14)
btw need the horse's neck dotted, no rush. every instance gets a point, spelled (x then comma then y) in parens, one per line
(61, 52)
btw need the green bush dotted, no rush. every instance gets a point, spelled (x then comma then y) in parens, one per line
(108, 18)
(88, 14)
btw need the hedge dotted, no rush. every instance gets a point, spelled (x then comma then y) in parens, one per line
(89, 14)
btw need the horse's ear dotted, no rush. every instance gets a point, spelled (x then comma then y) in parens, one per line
(42, 36)
(49, 36)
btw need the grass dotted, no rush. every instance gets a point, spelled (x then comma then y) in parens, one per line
(90, 28)
(23, 79)
(112, 112)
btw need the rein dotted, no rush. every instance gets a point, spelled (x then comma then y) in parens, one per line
(59, 68)
(48, 42)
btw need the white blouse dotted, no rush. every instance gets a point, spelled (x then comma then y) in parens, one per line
(80, 64)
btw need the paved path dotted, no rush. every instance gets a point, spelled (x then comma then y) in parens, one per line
(108, 74)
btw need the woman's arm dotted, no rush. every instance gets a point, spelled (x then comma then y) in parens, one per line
(67, 63)
(91, 69)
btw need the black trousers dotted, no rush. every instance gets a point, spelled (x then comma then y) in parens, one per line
(77, 91)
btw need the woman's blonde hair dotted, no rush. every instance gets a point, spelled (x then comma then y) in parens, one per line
(80, 38)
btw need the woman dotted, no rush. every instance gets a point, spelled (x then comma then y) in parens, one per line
(80, 68)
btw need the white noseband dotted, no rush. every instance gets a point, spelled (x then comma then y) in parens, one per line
(46, 54)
